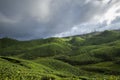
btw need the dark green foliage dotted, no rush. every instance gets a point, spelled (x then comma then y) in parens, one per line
(47, 50)
(102, 70)
(59, 66)
(47, 78)
(6, 42)
(104, 37)
(79, 60)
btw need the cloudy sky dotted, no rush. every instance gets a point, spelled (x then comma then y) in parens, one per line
(33, 19)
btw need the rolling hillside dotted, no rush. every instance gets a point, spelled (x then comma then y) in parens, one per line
(94, 56)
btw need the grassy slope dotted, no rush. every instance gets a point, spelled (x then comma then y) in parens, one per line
(18, 69)
(93, 55)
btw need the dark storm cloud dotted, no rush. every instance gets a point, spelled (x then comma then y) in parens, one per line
(28, 19)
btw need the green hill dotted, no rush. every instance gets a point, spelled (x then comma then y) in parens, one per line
(94, 56)
(44, 50)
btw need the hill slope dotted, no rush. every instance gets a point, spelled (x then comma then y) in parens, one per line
(94, 55)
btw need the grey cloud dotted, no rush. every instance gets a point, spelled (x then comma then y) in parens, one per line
(28, 19)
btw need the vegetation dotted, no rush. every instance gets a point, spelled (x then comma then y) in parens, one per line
(94, 56)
